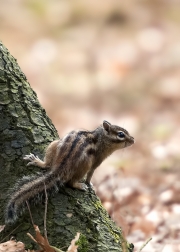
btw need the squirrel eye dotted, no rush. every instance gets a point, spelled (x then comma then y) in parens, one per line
(121, 134)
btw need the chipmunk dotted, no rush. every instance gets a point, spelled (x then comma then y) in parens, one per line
(68, 160)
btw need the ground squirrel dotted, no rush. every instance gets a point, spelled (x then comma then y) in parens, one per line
(67, 160)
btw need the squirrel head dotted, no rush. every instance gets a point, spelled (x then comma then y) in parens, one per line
(118, 137)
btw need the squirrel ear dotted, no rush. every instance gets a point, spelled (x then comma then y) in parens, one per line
(106, 125)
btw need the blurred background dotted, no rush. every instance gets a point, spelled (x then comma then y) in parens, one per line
(92, 60)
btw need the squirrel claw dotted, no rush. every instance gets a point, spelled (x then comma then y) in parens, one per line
(80, 186)
(84, 187)
(90, 184)
(29, 157)
(32, 158)
(29, 164)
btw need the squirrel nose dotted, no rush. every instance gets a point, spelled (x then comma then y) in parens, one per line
(132, 139)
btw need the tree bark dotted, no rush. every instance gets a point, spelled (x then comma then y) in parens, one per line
(25, 128)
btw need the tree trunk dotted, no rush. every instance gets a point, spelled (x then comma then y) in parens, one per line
(25, 128)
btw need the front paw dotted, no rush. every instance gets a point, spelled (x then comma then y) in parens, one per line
(80, 186)
(90, 184)
(83, 187)
(32, 158)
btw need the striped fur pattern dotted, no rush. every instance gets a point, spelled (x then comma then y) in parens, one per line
(67, 161)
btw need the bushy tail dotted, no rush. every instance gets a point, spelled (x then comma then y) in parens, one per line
(29, 189)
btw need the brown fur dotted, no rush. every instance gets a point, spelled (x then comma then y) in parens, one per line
(68, 161)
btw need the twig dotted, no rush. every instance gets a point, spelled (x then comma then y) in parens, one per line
(10, 233)
(28, 234)
(45, 212)
(30, 213)
(144, 244)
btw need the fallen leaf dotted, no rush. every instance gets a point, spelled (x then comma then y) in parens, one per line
(73, 247)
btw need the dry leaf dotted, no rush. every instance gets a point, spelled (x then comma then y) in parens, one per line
(2, 228)
(12, 246)
(41, 241)
(73, 247)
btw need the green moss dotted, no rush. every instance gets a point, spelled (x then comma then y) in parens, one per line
(106, 218)
(82, 243)
(130, 247)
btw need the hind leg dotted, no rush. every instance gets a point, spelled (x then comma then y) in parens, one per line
(48, 159)
(34, 160)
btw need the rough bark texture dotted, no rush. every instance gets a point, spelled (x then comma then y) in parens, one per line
(25, 128)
